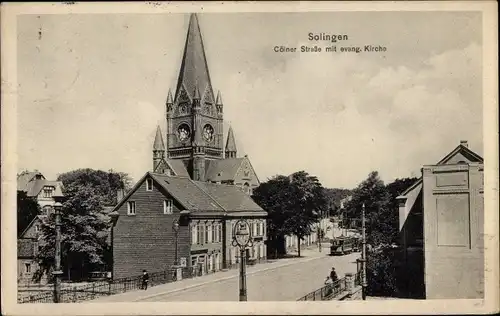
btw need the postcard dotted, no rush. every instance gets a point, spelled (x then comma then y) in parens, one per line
(249, 158)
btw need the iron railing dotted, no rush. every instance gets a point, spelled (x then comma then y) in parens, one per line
(97, 289)
(327, 292)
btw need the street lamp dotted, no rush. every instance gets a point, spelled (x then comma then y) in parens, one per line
(242, 239)
(175, 227)
(114, 218)
(57, 273)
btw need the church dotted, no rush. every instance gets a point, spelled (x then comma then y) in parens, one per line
(181, 214)
(194, 136)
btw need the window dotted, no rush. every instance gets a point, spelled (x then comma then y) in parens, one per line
(37, 228)
(149, 184)
(131, 208)
(206, 235)
(46, 210)
(201, 234)
(27, 267)
(219, 233)
(48, 191)
(194, 234)
(168, 207)
(210, 234)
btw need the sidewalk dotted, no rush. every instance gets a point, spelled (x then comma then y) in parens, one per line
(138, 295)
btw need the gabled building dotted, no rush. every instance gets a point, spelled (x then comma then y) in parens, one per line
(441, 219)
(45, 192)
(36, 186)
(144, 235)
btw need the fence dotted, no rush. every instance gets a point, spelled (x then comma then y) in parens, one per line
(101, 288)
(327, 292)
(109, 287)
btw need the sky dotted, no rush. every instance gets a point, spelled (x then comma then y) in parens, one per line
(92, 89)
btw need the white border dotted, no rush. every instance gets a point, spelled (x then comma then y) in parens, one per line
(9, 11)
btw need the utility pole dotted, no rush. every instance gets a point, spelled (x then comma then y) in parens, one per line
(363, 254)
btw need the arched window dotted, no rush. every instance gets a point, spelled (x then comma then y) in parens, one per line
(246, 188)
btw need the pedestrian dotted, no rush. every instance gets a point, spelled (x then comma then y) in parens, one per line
(145, 279)
(333, 275)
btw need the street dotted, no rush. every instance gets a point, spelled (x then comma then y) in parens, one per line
(287, 283)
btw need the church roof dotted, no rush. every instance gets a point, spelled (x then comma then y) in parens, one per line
(158, 143)
(178, 167)
(230, 143)
(224, 169)
(194, 69)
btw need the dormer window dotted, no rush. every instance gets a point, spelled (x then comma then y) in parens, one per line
(48, 192)
(149, 184)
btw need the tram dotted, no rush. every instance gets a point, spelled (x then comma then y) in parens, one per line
(343, 245)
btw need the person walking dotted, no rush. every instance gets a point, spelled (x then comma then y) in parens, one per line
(145, 280)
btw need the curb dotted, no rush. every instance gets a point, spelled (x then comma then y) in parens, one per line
(222, 279)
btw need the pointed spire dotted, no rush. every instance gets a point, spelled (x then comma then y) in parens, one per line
(194, 68)
(230, 144)
(170, 100)
(219, 99)
(158, 144)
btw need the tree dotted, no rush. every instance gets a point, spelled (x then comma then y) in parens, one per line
(293, 204)
(333, 198)
(374, 195)
(27, 209)
(84, 228)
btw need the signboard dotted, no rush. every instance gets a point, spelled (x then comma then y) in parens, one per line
(183, 262)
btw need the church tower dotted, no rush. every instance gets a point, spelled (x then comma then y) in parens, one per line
(194, 118)
(158, 150)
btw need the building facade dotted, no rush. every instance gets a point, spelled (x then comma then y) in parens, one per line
(145, 235)
(441, 225)
(45, 192)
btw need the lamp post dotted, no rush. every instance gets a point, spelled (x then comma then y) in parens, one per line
(114, 218)
(363, 254)
(242, 239)
(175, 227)
(57, 258)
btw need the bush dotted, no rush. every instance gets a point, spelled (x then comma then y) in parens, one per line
(381, 272)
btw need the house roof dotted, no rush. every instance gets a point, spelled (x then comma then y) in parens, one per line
(199, 196)
(231, 198)
(34, 187)
(25, 177)
(186, 192)
(464, 150)
(412, 187)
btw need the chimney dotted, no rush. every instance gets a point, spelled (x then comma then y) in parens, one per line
(464, 143)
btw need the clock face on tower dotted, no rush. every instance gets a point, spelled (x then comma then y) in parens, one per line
(183, 132)
(208, 132)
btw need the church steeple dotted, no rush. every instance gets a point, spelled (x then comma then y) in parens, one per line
(158, 149)
(194, 69)
(230, 144)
